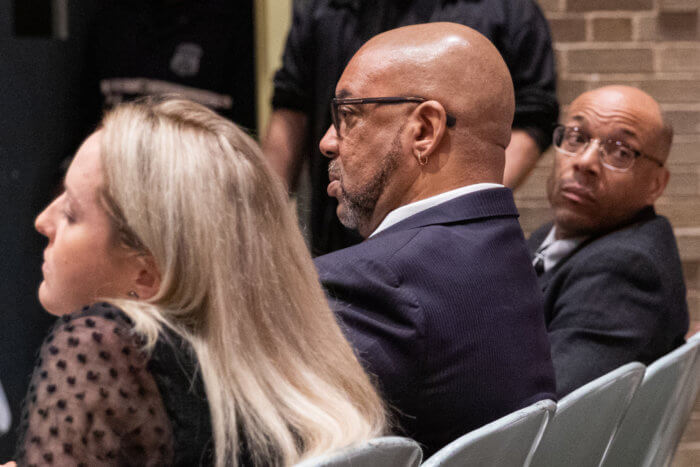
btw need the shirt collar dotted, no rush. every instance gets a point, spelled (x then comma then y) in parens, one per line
(408, 210)
(552, 250)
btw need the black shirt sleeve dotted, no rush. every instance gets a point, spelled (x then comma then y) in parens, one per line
(517, 27)
(531, 61)
(293, 82)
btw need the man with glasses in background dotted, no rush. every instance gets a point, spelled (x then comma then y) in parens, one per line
(608, 264)
(440, 301)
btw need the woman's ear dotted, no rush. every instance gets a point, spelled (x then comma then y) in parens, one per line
(146, 282)
(430, 127)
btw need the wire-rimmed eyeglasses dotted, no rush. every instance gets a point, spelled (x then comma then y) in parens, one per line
(615, 155)
(339, 120)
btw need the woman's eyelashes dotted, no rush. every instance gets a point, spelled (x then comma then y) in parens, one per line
(68, 212)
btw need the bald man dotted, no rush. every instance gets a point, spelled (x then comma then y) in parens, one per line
(326, 33)
(608, 265)
(440, 301)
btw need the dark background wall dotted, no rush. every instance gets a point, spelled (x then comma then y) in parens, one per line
(48, 87)
(39, 126)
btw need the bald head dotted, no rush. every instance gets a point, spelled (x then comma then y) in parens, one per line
(609, 164)
(452, 130)
(450, 63)
(634, 107)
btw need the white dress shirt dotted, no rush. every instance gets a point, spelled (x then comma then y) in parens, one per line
(408, 210)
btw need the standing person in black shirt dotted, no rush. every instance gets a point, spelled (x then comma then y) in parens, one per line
(326, 33)
(201, 50)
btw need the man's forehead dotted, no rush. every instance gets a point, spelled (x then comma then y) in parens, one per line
(583, 120)
(616, 112)
(348, 83)
(611, 103)
(373, 69)
(359, 83)
(630, 115)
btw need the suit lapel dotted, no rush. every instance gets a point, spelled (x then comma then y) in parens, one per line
(543, 280)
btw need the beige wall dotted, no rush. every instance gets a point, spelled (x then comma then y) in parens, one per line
(272, 20)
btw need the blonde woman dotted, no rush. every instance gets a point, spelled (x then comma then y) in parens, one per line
(213, 343)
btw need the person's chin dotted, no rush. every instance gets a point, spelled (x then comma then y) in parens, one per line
(574, 222)
(345, 216)
(341, 212)
(44, 295)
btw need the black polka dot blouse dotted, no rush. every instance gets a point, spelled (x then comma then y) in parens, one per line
(96, 398)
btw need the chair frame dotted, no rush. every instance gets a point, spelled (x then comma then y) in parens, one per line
(347, 457)
(641, 435)
(681, 412)
(544, 408)
(633, 370)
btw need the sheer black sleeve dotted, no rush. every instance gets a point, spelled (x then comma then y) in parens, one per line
(92, 400)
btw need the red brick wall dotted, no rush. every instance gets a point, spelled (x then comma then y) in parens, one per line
(654, 45)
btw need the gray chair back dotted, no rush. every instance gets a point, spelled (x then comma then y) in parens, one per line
(642, 432)
(682, 408)
(586, 420)
(509, 441)
(390, 451)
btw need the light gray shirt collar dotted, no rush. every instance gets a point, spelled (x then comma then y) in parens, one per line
(552, 250)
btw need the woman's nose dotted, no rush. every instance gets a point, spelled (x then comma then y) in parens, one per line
(44, 223)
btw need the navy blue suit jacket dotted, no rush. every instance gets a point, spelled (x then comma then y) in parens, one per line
(444, 309)
(618, 298)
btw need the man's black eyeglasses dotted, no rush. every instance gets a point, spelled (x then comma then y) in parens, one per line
(336, 102)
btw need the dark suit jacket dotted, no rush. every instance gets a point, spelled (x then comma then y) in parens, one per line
(444, 309)
(619, 297)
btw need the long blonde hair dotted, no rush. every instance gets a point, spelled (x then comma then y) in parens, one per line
(191, 189)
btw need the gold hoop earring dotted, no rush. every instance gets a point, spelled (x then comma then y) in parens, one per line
(133, 294)
(422, 160)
